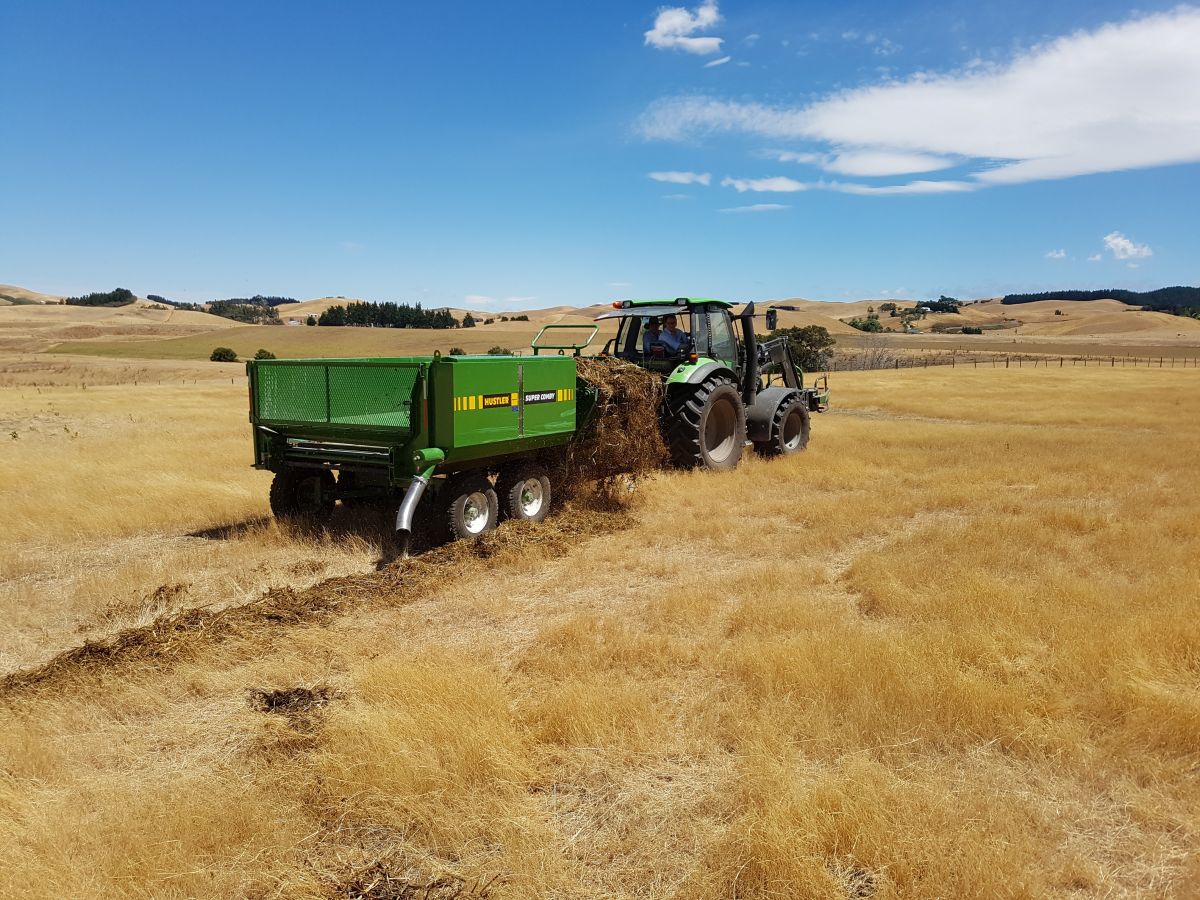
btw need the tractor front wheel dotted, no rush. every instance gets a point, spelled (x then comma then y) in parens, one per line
(471, 506)
(789, 430)
(303, 496)
(706, 425)
(524, 492)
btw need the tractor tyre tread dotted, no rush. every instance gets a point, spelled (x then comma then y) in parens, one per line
(774, 445)
(685, 414)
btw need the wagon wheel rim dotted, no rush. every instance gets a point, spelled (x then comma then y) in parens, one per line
(531, 497)
(476, 512)
(310, 494)
(793, 429)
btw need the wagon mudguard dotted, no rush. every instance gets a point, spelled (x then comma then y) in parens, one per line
(766, 404)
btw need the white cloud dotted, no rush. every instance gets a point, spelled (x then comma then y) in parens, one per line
(783, 185)
(778, 184)
(1122, 96)
(620, 284)
(1056, 254)
(792, 156)
(1122, 247)
(1095, 257)
(751, 39)
(756, 208)
(886, 47)
(703, 178)
(677, 196)
(674, 26)
(912, 187)
(717, 62)
(869, 163)
(885, 162)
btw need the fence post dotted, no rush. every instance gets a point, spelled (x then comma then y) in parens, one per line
(1006, 362)
(1113, 362)
(1060, 362)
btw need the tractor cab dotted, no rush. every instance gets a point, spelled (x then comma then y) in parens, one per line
(663, 335)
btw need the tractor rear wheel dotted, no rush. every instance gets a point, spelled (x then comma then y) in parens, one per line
(789, 430)
(706, 426)
(471, 506)
(303, 496)
(524, 492)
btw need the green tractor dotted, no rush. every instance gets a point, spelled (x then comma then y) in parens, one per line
(721, 391)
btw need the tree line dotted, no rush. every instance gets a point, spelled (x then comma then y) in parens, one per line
(256, 310)
(118, 297)
(387, 315)
(1179, 300)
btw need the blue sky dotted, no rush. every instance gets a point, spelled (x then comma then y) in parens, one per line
(532, 154)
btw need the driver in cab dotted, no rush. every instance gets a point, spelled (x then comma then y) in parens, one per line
(674, 338)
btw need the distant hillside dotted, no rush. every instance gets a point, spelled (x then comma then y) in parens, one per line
(19, 296)
(1182, 301)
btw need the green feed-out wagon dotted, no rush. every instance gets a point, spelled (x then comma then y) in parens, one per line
(483, 432)
(486, 426)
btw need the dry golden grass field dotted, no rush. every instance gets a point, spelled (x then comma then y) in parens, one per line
(952, 650)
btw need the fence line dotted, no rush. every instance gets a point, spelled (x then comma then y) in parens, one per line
(876, 361)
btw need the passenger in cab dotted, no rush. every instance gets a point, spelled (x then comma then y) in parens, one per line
(673, 337)
(651, 335)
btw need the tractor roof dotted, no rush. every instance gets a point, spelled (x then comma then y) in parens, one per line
(659, 307)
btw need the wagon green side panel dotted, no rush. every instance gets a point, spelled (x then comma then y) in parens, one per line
(549, 395)
(493, 401)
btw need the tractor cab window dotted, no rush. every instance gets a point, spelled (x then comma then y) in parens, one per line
(724, 344)
(629, 338)
(700, 332)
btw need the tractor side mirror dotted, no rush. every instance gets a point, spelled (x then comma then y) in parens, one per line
(772, 319)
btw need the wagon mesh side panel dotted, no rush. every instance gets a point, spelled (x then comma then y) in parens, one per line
(343, 395)
(291, 393)
(371, 395)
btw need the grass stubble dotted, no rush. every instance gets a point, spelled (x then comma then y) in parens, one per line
(951, 650)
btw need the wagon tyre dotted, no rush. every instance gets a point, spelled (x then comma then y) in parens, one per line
(789, 430)
(303, 496)
(706, 426)
(524, 493)
(471, 506)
